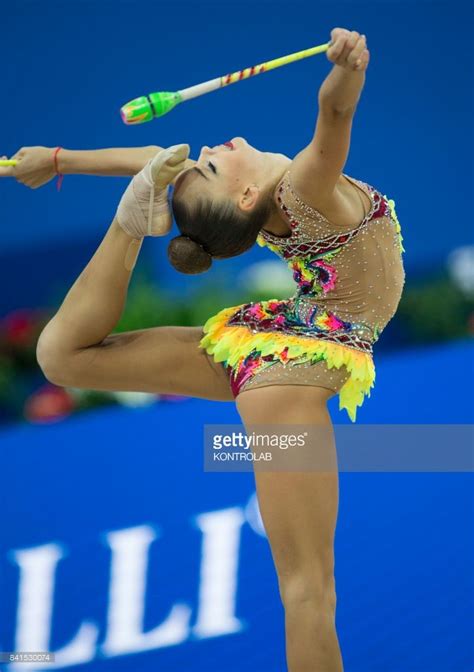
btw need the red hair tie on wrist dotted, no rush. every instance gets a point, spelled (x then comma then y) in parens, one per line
(56, 168)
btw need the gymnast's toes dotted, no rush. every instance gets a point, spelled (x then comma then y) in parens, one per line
(168, 163)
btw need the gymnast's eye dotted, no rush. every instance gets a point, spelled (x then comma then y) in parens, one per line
(212, 167)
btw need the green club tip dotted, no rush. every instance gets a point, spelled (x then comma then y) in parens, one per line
(146, 108)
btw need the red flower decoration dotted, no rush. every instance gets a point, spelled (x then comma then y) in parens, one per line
(20, 327)
(284, 355)
(49, 404)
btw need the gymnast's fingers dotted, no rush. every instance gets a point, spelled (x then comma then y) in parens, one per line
(36, 184)
(339, 37)
(6, 171)
(19, 154)
(337, 33)
(356, 52)
(363, 61)
(351, 42)
(30, 181)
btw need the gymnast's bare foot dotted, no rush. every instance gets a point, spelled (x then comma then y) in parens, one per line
(144, 209)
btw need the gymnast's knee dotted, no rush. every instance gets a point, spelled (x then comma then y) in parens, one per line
(308, 588)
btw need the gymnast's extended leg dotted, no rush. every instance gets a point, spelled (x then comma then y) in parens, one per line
(77, 347)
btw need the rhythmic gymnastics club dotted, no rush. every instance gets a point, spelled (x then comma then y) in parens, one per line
(8, 162)
(146, 108)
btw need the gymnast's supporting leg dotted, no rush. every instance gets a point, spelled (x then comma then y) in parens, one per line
(299, 511)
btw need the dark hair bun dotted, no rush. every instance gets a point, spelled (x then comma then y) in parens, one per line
(187, 256)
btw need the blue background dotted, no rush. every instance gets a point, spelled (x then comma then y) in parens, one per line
(403, 557)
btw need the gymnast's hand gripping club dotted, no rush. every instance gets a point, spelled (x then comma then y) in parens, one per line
(146, 108)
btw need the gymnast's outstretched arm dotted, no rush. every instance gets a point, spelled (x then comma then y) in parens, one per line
(37, 165)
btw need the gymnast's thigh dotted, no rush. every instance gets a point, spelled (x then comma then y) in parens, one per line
(298, 504)
(307, 374)
(190, 370)
(163, 360)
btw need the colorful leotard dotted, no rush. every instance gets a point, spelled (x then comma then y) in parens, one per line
(349, 283)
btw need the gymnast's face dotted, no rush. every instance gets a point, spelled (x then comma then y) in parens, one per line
(225, 171)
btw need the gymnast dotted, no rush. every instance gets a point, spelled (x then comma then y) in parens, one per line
(279, 360)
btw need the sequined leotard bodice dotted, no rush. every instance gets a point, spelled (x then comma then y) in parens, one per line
(348, 286)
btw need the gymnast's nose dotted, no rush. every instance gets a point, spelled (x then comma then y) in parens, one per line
(206, 151)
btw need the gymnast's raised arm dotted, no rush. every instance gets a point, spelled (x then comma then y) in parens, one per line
(36, 165)
(316, 170)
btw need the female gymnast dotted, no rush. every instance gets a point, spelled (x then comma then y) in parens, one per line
(281, 360)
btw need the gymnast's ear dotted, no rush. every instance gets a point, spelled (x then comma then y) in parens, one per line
(248, 199)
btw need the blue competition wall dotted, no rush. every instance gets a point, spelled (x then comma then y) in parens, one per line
(71, 65)
(133, 480)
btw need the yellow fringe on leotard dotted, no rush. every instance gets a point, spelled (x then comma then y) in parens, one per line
(391, 204)
(232, 344)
